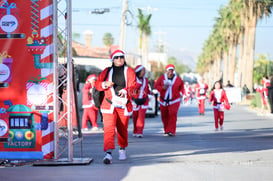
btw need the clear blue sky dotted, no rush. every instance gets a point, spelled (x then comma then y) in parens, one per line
(184, 24)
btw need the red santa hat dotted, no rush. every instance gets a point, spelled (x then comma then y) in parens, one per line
(139, 68)
(117, 53)
(91, 77)
(170, 67)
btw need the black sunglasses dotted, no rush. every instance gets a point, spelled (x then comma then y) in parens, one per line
(116, 57)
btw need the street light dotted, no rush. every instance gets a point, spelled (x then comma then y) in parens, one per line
(99, 11)
(93, 11)
(149, 9)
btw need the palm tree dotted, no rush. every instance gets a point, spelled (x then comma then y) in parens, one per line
(231, 25)
(144, 30)
(236, 28)
(108, 39)
(252, 11)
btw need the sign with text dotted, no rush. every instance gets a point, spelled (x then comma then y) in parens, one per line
(26, 72)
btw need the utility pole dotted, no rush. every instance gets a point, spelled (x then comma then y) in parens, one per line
(161, 41)
(123, 25)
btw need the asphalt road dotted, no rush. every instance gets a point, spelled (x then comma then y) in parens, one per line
(242, 151)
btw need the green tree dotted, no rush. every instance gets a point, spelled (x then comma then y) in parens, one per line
(108, 39)
(76, 36)
(234, 31)
(61, 42)
(262, 67)
(143, 26)
(179, 68)
(252, 11)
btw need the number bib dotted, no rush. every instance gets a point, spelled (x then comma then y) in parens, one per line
(119, 102)
(221, 107)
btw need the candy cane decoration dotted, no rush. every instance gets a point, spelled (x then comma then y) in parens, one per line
(46, 14)
(34, 16)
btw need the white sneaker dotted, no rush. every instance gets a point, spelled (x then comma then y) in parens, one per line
(221, 128)
(216, 129)
(107, 158)
(84, 130)
(122, 154)
(139, 135)
(94, 129)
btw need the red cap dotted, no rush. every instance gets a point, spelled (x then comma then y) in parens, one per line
(139, 68)
(169, 67)
(90, 77)
(117, 53)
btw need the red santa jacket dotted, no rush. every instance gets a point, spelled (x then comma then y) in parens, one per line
(142, 91)
(201, 90)
(220, 100)
(87, 100)
(173, 93)
(130, 79)
(187, 90)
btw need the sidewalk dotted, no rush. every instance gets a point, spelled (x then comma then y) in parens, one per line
(243, 151)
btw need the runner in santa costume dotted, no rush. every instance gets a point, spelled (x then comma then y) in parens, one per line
(171, 89)
(219, 100)
(140, 101)
(201, 91)
(90, 112)
(187, 93)
(116, 106)
(264, 93)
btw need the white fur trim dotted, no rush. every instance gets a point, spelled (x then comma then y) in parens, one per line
(181, 94)
(139, 68)
(170, 103)
(103, 85)
(86, 106)
(170, 68)
(124, 91)
(117, 54)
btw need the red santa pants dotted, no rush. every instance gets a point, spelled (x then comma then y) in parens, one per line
(111, 122)
(186, 99)
(218, 115)
(139, 120)
(201, 106)
(263, 99)
(169, 117)
(89, 114)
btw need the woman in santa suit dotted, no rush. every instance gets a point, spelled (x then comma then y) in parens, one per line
(140, 101)
(171, 89)
(116, 106)
(201, 91)
(90, 112)
(187, 93)
(219, 100)
(264, 93)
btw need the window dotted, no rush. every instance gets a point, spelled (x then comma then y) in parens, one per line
(20, 122)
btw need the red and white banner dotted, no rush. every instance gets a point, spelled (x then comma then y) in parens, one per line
(26, 79)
